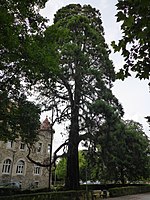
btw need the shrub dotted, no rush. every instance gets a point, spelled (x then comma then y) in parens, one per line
(121, 191)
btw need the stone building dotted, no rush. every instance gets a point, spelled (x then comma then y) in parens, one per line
(14, 165)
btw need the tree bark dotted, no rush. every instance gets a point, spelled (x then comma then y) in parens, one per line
(72, 176)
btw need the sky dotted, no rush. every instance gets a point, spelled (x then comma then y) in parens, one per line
(132, 93)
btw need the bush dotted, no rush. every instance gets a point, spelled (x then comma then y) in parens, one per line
(8, 191)
(44, 194)
(121, 191)
(65, 195)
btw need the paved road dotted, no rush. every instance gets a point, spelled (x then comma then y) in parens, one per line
(145, 196)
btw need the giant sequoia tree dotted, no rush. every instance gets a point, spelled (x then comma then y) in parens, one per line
(79, 88)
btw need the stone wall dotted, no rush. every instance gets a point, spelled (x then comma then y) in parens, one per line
(17, 151)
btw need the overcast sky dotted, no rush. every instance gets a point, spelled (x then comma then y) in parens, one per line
(132, 93)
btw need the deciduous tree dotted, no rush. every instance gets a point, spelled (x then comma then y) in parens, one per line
(124, 155)
(19, 20)
(18, 119)
(135, 42)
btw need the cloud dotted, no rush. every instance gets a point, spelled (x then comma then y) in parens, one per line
(51, 8)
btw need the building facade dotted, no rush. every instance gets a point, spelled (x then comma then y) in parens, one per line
(14, 165)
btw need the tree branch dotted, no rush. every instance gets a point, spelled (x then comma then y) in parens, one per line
(55, 157)
(68, 88)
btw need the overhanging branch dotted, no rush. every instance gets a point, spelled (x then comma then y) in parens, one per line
(55, 157)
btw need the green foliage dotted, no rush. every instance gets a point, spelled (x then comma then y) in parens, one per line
(19, 20)
(82, 78)
(64, 195)
(124, 153)
(137, 152)
(61, 169)
(135, 42)
(18, 119)
(121, 191)
(83, 164)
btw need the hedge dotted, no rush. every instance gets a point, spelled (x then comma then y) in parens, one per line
(79, 194)
(121, 191)
(64, 195)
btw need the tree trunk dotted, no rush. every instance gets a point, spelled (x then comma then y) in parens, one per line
(72, 176)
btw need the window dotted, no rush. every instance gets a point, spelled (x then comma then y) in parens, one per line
(49, 147)
(37, 170)
(20, 167)
(10, 144)
(6, 166)
(39, 147)
(22, 146)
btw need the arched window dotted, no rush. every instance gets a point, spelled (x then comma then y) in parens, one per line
(6, 166)
(37, 170)
(20, 167)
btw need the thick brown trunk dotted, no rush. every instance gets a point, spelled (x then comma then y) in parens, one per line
(72, 178)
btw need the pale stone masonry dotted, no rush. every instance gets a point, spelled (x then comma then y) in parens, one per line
(15, 167)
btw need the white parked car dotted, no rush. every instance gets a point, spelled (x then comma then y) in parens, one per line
(90, 182)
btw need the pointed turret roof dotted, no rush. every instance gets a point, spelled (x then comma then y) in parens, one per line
(46, 124)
